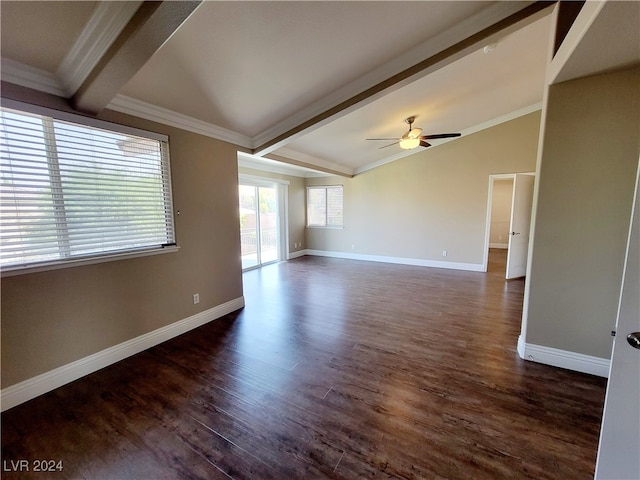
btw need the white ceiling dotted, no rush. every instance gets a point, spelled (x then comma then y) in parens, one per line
(247, 65)
(456, 98)
(251, 71)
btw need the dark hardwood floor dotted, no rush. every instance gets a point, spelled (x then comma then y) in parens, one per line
(334, 369)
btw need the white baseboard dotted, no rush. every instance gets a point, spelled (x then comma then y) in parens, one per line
(473, 267)
(564, 359)
(521, 347)
(33, 387)
(296, 254)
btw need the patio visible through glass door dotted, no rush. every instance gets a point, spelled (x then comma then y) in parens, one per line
(258, 225)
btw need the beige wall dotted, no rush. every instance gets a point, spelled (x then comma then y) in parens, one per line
(296, 201)
(55, 317)
(432, 201)
(586, 182)
(501, 211)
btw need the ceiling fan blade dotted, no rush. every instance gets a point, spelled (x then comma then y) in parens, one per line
(395, 138)
(440, 135)
(394, 143)
(424, 144)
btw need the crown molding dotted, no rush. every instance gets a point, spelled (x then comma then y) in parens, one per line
(104, 26)
(30, 77)
(43, 81)
(321, 164)
(138, 108)
(36, 79)
(246, 160)
(501, 119)
(384, 161)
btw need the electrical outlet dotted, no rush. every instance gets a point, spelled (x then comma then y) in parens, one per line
(444, 253)
(196, 298)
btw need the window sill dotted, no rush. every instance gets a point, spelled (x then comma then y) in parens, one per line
(56, 265)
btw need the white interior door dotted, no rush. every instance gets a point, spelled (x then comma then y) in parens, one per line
(619, 450)
(522, 202)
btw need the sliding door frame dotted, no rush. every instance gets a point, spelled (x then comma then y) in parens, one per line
(282, 196)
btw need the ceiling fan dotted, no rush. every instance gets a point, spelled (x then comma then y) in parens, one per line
(412, 138)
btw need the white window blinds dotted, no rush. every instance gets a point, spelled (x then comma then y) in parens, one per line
(70, 191)
(325, 206)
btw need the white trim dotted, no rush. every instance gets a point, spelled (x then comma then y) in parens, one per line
(141, 109)
(579, 28)
(297, 254)
(81, 119)
(384, 161)
(312, 160)
(246, 160)
(57, 265)
(283, 221)
(282, 193)
(31, 77)
(521, 346)
(501, 119)
(36, 79)
(487, 227)
(104, 26)
(33, 387)
(261, 181)
(503, 246)
(420, 262)
(577, 362)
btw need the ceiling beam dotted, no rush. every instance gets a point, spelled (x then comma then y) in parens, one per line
(447, 54)
(149, 28)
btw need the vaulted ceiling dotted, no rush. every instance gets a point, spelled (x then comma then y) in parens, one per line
(304, 83)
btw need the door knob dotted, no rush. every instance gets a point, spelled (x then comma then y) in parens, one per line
(634, 339)
(515, 233)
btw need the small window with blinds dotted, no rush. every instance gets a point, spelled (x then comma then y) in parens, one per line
(73, 191)
(325, 206)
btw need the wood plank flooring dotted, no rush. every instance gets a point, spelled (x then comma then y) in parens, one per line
(334, 369)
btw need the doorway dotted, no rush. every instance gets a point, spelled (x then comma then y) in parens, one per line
(262, 221)
(509, 221)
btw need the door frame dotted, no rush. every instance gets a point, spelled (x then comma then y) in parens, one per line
(487, 229)
(282, 195)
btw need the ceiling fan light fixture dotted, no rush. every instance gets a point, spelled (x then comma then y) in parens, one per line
(414, 133)
(409, 143)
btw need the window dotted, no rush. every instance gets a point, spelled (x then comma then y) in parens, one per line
(70, 191)
(325, 206)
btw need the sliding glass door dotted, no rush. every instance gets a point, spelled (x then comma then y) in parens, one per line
(259, 225)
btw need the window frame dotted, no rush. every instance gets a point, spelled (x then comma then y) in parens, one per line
(95, 258)
(326, 213)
